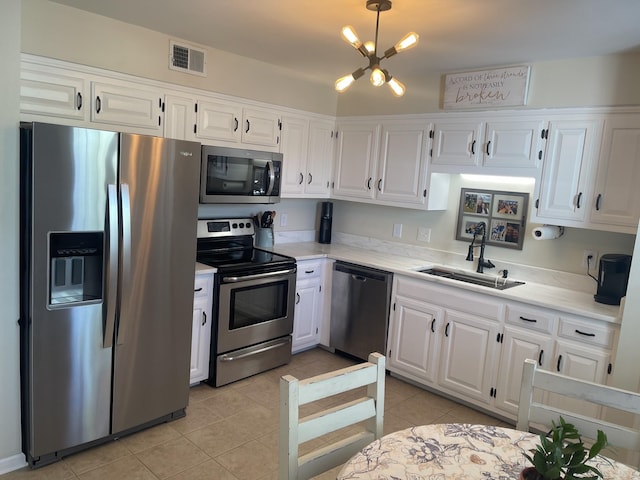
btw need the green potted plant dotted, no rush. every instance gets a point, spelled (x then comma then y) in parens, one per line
(562, 455)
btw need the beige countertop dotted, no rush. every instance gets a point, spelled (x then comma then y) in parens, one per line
(536, 294)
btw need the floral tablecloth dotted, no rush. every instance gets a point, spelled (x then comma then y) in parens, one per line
(455, 451)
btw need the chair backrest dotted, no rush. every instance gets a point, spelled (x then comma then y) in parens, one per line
(531, 411)
(295, 431)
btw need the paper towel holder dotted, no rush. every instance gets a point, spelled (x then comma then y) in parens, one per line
(538, 234)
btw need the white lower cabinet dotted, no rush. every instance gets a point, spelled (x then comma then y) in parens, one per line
(201, 327)
(472, 346)
(308, 306)
(469, 352)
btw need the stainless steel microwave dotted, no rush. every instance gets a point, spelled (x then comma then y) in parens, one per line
(234, 175)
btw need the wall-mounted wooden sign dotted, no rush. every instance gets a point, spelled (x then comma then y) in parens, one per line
(498, 87)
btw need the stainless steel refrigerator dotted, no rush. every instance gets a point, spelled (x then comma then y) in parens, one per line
(108, 247)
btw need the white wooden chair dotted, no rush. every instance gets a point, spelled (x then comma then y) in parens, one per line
(531, 411)
(295, 431)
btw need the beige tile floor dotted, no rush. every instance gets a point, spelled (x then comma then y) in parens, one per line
(231, 433)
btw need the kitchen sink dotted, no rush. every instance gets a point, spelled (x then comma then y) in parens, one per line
(495, 282)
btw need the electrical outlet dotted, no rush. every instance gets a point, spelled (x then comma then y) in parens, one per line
(589, 259)
(424, 234)
(283, 219)
(397, 230)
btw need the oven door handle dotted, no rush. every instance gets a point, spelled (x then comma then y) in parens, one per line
(257, 276)
(228, 357)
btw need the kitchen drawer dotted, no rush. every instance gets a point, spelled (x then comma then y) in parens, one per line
(203, 285)
(531, 318)
(309, 269)
(585, 331)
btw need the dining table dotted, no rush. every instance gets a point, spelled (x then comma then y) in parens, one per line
(457, 451)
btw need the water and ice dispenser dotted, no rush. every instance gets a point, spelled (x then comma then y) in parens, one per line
(75, 268)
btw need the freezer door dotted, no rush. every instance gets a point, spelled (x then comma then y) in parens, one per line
(159, 202)
(66, 370)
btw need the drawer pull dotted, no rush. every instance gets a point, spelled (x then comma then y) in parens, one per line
(585, 333)
(532, 320)
(558, 364)
(309, 271)
(198, 289)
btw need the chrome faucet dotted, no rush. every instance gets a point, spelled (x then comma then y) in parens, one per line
(480, 228)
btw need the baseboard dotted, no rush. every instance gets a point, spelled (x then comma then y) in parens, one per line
(10, 464)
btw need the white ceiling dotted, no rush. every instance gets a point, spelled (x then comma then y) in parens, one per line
(454, 34)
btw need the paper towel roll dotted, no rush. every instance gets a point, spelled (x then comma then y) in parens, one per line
(546, 232)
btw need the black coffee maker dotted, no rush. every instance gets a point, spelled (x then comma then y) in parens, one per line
(613, 277)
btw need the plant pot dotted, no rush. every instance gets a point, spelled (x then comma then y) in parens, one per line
(530, 473)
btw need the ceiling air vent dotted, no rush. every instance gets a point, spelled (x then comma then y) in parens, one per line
(186, 58)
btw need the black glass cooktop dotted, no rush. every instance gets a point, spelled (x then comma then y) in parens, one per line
(239, 255)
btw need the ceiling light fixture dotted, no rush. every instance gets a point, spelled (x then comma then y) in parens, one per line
(379, 76)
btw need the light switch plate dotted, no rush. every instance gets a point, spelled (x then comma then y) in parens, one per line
(397, 230)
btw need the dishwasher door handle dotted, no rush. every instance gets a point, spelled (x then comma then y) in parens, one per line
(359, 278)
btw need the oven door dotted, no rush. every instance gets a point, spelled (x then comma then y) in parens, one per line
(254, 308)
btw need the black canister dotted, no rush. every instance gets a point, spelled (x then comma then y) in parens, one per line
(613, 277)
(326, 215)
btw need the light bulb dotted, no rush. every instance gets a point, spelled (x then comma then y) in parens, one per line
(377, 77)
(344, 82)
(397, 88)
(408, 41)
(350, 35)
(370, 46)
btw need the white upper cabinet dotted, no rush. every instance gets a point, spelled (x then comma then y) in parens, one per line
(564, 190)
(356, 160)
(230, 123)
(179, 117)
(402, 172)
(386, 163)
(506, 146)
(307, 148)
(456, 143)
(616, 196)
(52, 92)
(127, 104)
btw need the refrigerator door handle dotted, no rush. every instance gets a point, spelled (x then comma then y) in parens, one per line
(112, 279)
(125, 205)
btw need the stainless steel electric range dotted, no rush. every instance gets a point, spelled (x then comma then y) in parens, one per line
(253, 301)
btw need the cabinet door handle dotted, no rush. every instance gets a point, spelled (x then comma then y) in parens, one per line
(532, 320)
(310, 179)
(558, 364)
(446, 330)
(488, 143)
(297, 298)
(204, 318)
(198, 289)
(235, 129)
(301, 178)
(79, 101)
(248, 126)
(433, 325)
(473, 147)
(579, 200)
(540, 357)
(369, 184)
(598, 201)
(380, 185)
(585, 333)
(98, 104)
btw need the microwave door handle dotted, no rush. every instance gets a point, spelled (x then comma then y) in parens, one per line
(112, 265)
(272, 177)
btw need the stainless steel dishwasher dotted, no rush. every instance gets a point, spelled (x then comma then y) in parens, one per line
(360, 301)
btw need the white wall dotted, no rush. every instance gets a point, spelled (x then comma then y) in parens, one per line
(66, 33)
(9, 346)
